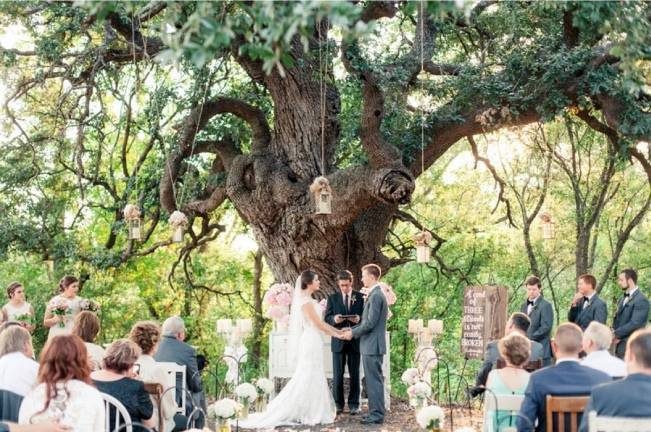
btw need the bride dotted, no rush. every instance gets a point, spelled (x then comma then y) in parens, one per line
(306, 398)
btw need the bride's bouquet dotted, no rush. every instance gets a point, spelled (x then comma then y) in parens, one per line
(278, 298)
(431, 418)
(59, 307)
(222, 411)
(246, 395)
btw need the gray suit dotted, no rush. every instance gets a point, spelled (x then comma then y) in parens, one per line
(372, 334)
(628, 318)
(542, 320)
(629, 397)
(175, 351)
(596, 310)
(492, 354)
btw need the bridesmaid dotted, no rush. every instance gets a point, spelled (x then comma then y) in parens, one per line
(17, 307)
(62, 324)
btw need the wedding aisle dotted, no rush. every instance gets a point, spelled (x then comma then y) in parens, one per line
(400, 419)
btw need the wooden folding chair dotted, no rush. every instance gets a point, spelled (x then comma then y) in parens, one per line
(562, 406)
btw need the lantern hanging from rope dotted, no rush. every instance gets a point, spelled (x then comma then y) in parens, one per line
(423, 250)
(548, 226)
(132, 216)
(178, 221)
(322, 193)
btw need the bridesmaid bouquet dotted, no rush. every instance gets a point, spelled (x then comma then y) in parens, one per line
(88, 305)
(24, 319)
(59, 307)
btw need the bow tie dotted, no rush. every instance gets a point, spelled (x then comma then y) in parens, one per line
(627, 295)
(530, 302)
(587, 299)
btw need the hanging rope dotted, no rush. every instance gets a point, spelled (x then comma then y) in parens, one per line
(323, 69)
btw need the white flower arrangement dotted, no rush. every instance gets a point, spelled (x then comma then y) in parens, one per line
(131, 212)
(178, 219)
(264, 385)
(410, 376)
(422, 390)
(224, 409)
(430, 417)
(246, 392)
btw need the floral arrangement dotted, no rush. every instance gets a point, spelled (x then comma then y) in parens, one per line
(89, 305)
(264, 385)
(423, 238)
(430, 417)
(224, 409)
(278, 297)
(178, 219)
(24, 319)
(59, 307)
(131, 212)
(410, 376)
(320, 184)
(323, 304)
(246, 393)
(419, 393)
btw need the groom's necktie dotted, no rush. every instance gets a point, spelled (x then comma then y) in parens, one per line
(346, 303)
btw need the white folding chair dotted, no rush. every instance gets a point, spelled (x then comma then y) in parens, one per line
(175, 370)
(493, 403)
(618, 424)
(120, 413)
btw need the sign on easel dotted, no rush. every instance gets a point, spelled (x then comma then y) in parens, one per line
(484, 318)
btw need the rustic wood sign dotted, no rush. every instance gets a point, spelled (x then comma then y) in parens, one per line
(484, 318)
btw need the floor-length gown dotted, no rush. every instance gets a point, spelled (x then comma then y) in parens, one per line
(306, 398)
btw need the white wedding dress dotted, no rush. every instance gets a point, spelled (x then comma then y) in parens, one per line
(306, 398)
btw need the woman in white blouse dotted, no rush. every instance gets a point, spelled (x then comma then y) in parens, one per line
(61, 324)
(72, 401)
(17, 309)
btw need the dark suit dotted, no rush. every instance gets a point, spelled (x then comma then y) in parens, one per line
(542, 320)
(628, 318)
(372, 344)
(492, 354)
(630, 397)
(345, 352)
(596, 310)
(175, 351)
(567, 378)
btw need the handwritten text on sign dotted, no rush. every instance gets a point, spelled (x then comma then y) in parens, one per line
(484, 317)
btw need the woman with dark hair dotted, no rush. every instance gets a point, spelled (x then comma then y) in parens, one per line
(118, 379)
(63, 308)
(64, 392)
(86, 326)
(17, 309)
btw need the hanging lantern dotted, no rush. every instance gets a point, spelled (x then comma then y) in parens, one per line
(132, 216)
(548, 226)
(322, 192)
(423, 251)
(178, 221)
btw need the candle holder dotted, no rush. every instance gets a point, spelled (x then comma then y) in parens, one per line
(234, 332)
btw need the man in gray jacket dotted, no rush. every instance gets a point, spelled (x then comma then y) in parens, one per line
(541, 314)
(632, 311)
(586, 304)
(173, 349)
(372, 335)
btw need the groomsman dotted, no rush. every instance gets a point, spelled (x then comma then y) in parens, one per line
(345, 303)
(541, 315)
(632, 311)
(586, 304)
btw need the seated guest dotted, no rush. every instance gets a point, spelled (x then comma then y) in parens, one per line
(64, 392)
(519, 324)
(566, 378)
(596, 341)
(86, 326)
(630, 397)
(18, 370)
(118, 379)
(5, 325)
(173, 349)
(515, 349)
(146, 335)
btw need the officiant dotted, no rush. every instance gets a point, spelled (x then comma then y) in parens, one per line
(344, 309)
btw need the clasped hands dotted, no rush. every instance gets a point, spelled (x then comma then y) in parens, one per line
(345, 334)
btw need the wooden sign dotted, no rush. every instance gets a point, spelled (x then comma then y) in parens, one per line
(484, 318)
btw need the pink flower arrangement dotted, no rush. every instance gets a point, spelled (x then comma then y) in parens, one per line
(59, 306)
(277, 312)
(278, 297)
(323, 304)
(389, 293)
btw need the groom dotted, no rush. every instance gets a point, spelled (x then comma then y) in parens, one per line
(371, 333)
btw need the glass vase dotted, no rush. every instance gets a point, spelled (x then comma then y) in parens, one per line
(222, 425)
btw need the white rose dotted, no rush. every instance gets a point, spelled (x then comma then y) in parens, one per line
(265, 385)
(225, 408)
(430, 416)
(421, 389)
(410, 376)
(246, 391)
